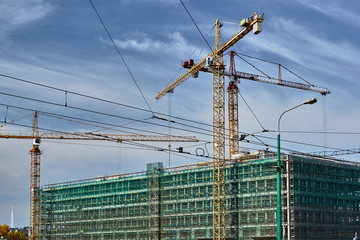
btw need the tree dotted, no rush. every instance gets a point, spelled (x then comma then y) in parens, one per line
(16, 236)
(4, 230)
(5, 233)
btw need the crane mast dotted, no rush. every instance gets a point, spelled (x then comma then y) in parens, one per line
(213, 63)
(217, 63)
(233, 115)
(233, 91)
(35, 182)
(35, 154)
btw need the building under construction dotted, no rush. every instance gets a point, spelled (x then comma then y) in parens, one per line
(321, 200)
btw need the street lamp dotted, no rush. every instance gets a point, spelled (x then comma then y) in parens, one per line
(278, 169)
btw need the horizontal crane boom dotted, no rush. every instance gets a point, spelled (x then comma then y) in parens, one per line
(108, 137)
(197, 67)
(263, 79)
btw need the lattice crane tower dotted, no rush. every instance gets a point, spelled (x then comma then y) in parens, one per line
(215, 61)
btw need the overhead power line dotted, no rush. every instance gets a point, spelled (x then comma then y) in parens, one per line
(192, 19)
(207, 133)
(66, 92)
(142, 145)
(318, 132)
(102, 124)
(120, 55)
(105, 114)
(264, 130)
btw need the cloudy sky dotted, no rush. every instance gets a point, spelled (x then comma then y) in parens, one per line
(62, 44)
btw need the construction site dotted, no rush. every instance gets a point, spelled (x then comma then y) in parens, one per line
(320, 200)
(228, 193)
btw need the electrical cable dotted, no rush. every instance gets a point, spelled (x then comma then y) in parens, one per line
(120, 104)
(69, 118)
(297, 152)
(91, 145)
(272, 138)
(105, 114)
(264, 130)
(112, 115)
(75, 133)
(99, 99)
(192, 19)
(317, 132)
(160, 149)
(164, 149)
(123, 60)
(107, 146)
(300, 143)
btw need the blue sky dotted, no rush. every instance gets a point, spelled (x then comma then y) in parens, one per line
(62, 44)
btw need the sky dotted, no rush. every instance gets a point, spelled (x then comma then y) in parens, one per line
(62, 44)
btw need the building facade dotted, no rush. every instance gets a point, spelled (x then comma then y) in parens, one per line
(321, 200)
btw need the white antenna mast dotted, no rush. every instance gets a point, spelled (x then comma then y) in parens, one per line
(12, 216)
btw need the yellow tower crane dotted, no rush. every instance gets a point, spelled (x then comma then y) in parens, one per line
(215, 61)
(35, 159)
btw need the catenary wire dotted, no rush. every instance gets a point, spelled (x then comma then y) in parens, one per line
(102, 123)
(252, 111)
(192, 131)
(106, 146)
(99, 99)
(120, 55)
(262, 143)
(92, 145)
(105, 114)
(192, 19)
(112, 115)
(160, 149)
(318, 132)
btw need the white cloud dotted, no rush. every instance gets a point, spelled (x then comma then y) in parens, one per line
(17, 13)
(340, 10)
(175, 45)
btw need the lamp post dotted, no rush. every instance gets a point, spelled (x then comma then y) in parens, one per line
(278, 169)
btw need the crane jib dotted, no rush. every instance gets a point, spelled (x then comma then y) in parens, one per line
(239, 35)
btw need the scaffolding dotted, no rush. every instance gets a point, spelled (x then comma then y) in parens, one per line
(320, 201)
(326, 199)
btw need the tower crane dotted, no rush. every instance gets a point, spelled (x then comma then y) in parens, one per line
(36, 153)
(215, 61)
(233, 91)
